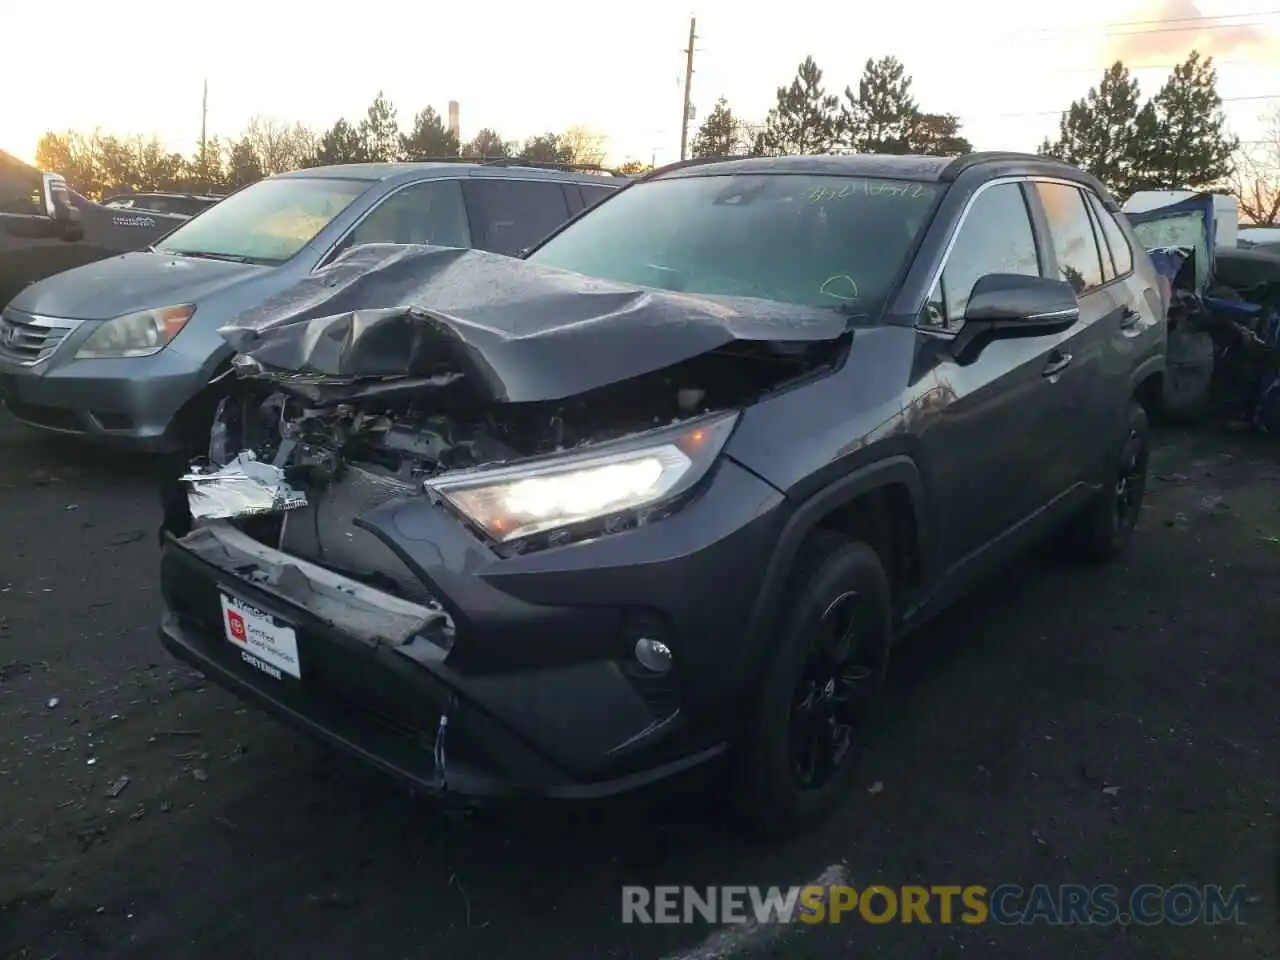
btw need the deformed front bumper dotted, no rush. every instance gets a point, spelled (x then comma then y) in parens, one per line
(573, 720)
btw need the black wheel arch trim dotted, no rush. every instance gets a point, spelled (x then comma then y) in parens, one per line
(895, 470)
(1148, 367)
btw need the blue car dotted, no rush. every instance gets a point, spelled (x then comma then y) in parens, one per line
(123, 349)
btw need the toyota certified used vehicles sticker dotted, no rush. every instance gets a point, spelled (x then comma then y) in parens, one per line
(264, 643)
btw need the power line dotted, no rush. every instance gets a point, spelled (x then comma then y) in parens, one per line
(1147, 66)
(1162, 24)
(1048, 113)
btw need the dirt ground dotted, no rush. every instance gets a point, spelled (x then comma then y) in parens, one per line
(1067, 725)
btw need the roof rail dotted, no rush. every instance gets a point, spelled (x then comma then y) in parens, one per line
(693, 162)
(967, 160)
(517, 162)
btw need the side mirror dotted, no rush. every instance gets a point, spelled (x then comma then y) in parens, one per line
(1005, 305)
(59, 208)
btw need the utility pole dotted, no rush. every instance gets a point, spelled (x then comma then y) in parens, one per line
(204, 120)
(688, 80)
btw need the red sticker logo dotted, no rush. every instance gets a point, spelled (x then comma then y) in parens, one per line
(236, 624)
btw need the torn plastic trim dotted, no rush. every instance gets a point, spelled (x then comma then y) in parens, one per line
(350, 606)
(244, 487)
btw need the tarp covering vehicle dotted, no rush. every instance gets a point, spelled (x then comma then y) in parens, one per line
(1224, 316)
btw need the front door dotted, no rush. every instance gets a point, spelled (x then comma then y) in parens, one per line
(989, 445)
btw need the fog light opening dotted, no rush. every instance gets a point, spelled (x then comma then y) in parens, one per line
(653, 655)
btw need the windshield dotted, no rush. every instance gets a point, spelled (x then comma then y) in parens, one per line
(267, 222)
(804, 239)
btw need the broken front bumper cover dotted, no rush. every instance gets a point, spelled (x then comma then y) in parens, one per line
(374, 679)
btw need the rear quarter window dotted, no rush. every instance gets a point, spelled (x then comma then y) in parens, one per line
(1071, 230)
(509, 215)
(1117, 242)
(591, 194)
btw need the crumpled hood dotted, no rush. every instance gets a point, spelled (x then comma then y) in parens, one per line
(517, 331)
(132, 281)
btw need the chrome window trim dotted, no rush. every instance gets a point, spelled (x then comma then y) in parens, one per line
(960, 222)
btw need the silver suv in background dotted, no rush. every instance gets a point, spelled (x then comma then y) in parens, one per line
(123, 349)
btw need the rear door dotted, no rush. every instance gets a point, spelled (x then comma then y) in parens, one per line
(1136, 330)
(508, 216)
(428, 212)
(1086, 384)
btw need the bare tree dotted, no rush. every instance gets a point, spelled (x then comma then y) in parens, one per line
(1256, 181)
(582, 145)
(278, 146)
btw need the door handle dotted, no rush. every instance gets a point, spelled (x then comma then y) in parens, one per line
(1058, 361)
(1129, 318)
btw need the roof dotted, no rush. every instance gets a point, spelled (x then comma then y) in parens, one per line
(130, 194)
(426, 169)
(888, 166)
(13, 163)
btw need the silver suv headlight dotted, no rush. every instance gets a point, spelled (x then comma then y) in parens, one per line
(136, 334)
(594, 489)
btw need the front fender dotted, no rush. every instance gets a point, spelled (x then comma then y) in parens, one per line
(897, 469)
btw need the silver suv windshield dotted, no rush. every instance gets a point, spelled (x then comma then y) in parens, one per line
(807, 239)
(267, 222)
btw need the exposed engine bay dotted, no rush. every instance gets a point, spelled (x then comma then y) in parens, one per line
(295, 474)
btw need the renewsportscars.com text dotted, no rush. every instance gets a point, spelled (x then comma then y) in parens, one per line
(1147, 904)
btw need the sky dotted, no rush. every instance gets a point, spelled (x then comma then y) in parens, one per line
(1005, 67)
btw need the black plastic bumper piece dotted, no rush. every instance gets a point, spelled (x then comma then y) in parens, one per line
(365, 737)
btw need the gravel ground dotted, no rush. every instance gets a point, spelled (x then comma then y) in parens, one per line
(1068, 725)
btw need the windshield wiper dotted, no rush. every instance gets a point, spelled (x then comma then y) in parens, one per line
(205, 255)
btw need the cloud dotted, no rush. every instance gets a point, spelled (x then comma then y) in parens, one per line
(1186, 29)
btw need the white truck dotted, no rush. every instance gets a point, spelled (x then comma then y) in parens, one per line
(1226, 210)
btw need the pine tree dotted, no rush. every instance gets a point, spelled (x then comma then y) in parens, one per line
(938, 135)
(883, 116)
(243, 166)
(428, 138)
(380, 130)
(487, 143)
(1186, 142)
(1101, 132)
(341, 143)
(805, 119)
(720, 134)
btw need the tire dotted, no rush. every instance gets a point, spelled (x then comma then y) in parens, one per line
(782, 785)
(188, 435)
(1102, 531)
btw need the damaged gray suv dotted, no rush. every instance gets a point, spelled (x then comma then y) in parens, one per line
(664, 493)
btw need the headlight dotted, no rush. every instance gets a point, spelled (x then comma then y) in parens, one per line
(615, 483)
(136, 334)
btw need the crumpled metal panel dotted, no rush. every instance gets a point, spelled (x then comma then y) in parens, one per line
(516, 331)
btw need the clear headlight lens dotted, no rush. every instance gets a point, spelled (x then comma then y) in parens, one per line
(136, 334)
(604, 481)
